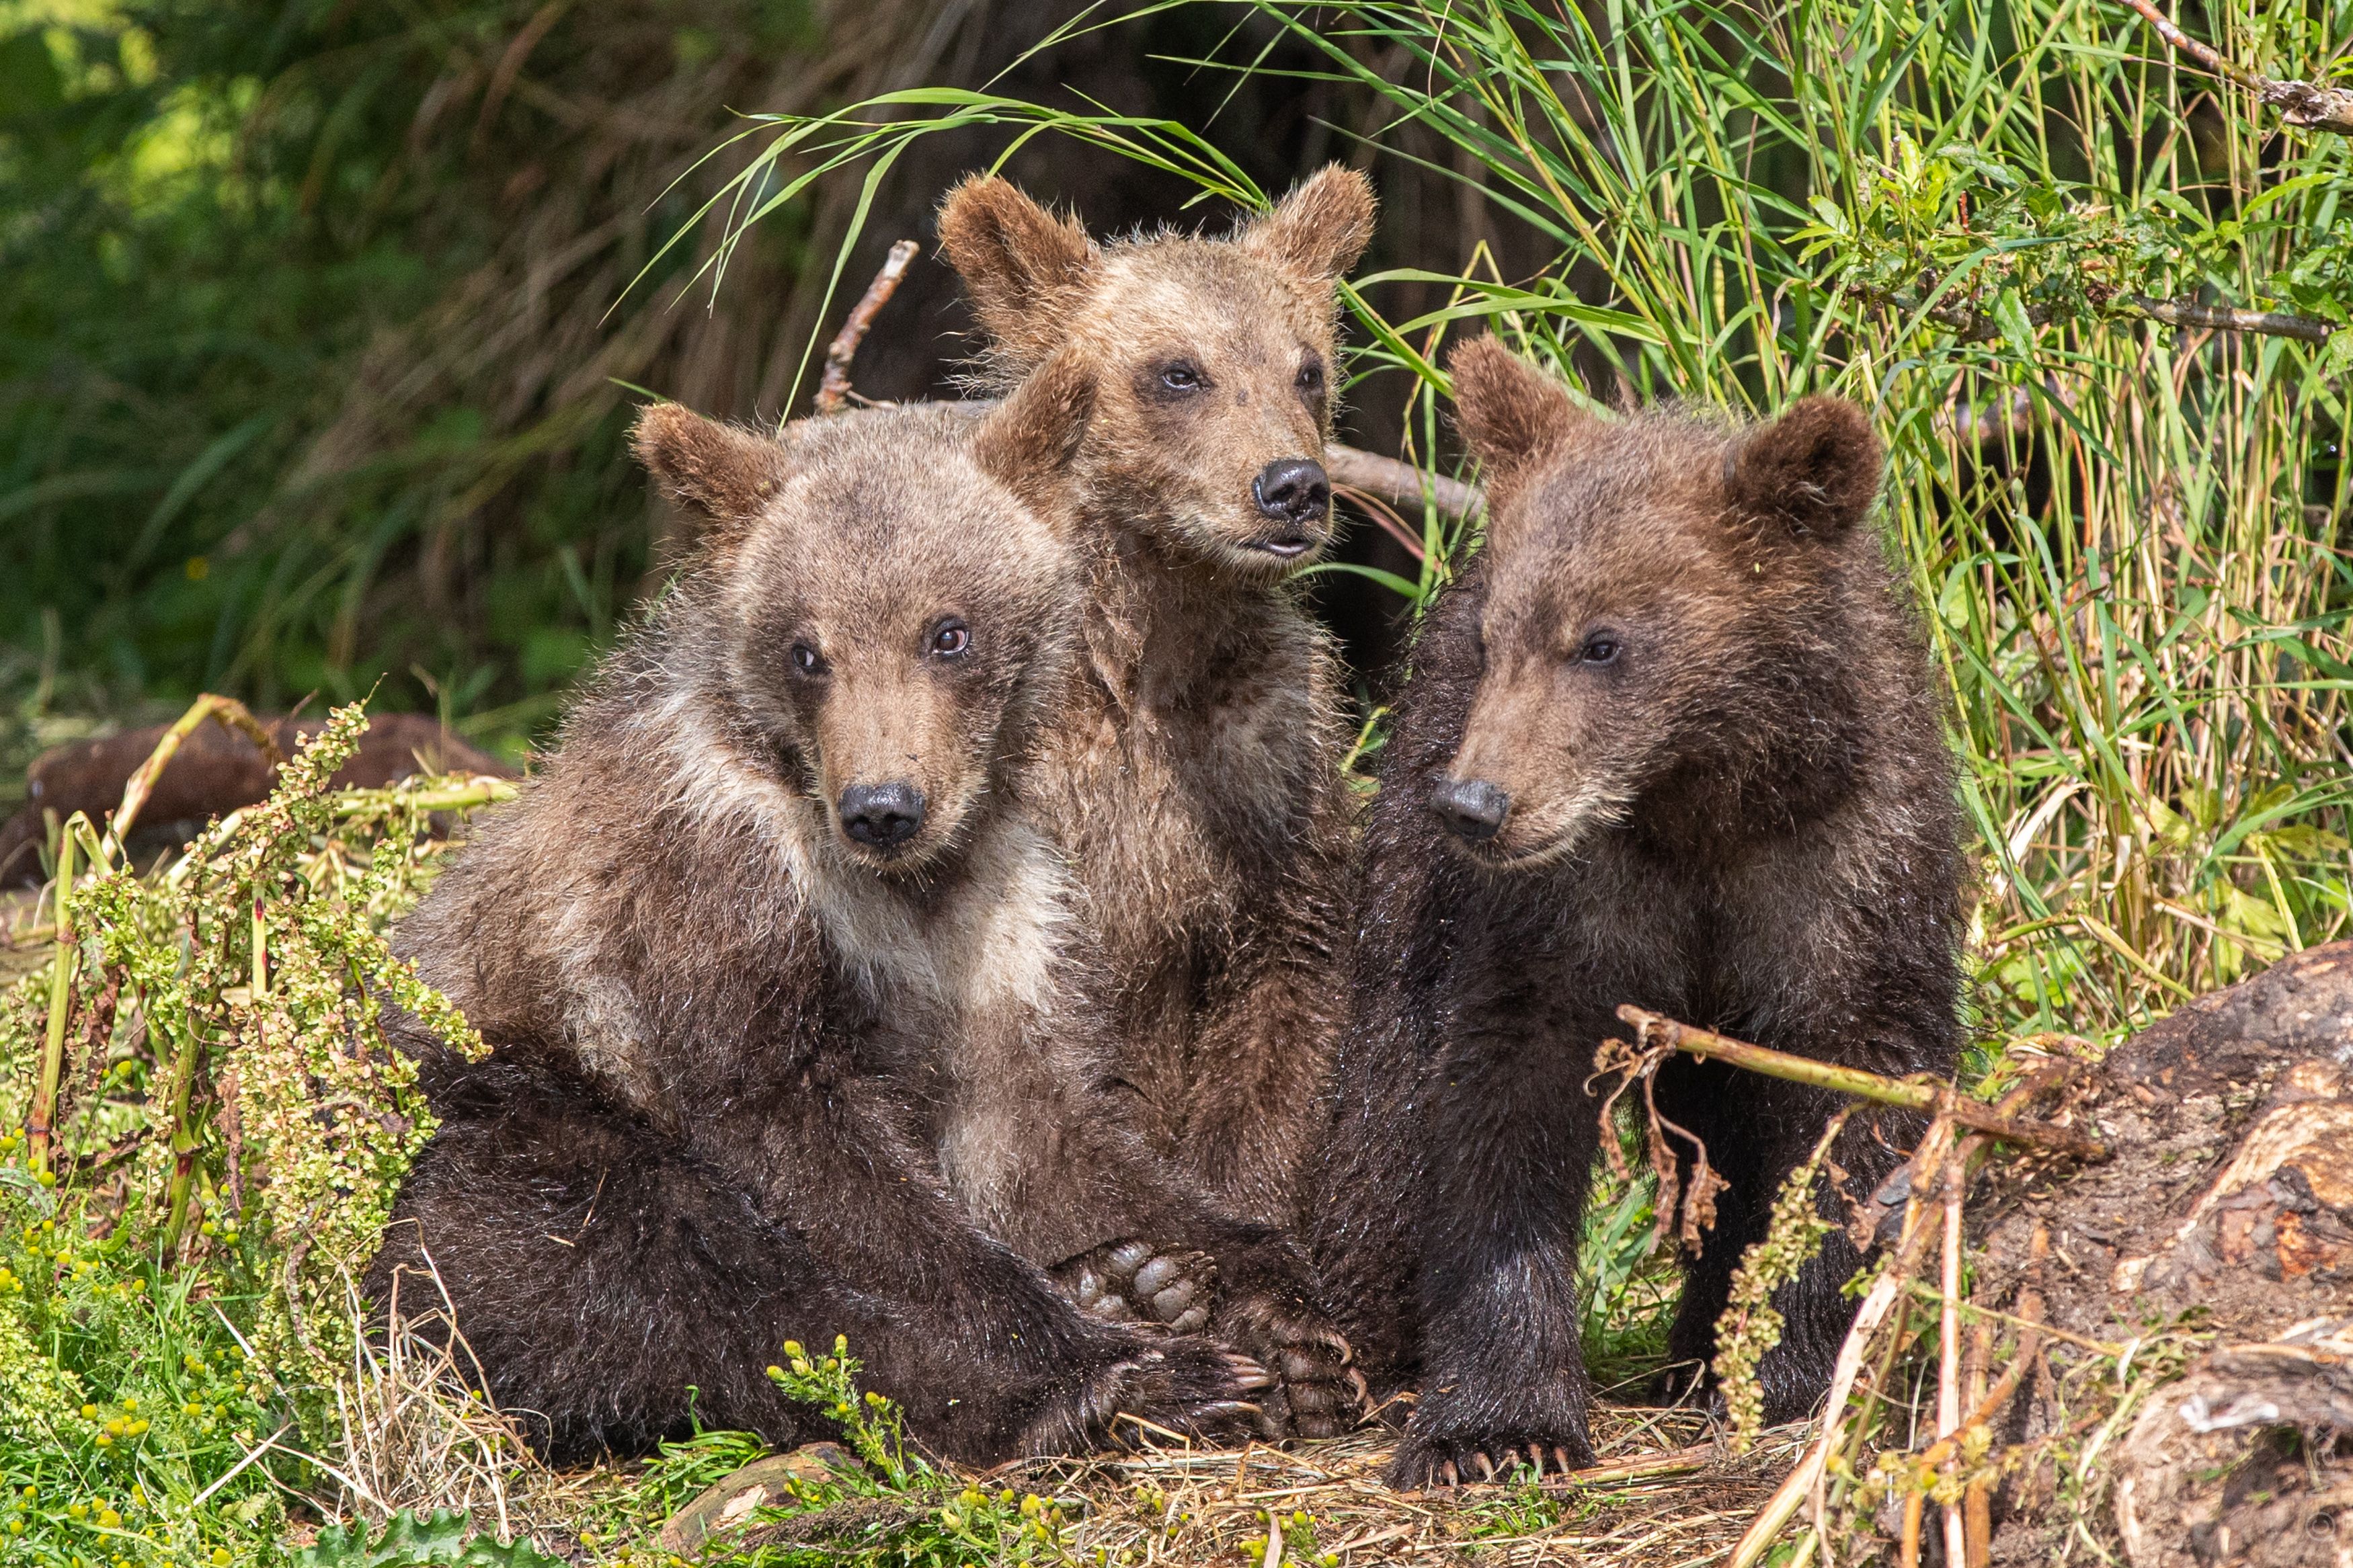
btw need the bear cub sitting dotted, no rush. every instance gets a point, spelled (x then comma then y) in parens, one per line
(1673, 741)
(791, 1023)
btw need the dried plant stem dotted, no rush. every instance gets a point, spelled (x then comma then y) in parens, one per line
(228, 713)
(834, 389)
(260, 951)
(1949, 1342)
(1886, 1291)
(1658, 1032)
(40, 1128)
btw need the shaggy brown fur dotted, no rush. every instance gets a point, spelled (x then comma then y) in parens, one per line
(1193, 773)
(791, 1022)
(1675, 741)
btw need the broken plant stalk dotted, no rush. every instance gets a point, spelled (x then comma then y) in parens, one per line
(228, 713)
(1928, 1164)
(40, 1128)
(1657, 1031)
(184, 1133)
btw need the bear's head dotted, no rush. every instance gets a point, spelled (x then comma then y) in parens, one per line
(1212, 360)
(889, 595)
(1662, 628)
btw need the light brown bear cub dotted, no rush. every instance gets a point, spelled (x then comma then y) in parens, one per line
(792, 1025)
(1193, 770)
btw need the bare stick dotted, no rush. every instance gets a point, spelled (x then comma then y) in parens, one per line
(1399, 485)
(2229, 318)
(834, 390)
(1657, 1030)
(2299, 102)
(1975, 326)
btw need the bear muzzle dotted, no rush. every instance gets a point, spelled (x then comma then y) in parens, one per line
(1472, 808)
(882, 817)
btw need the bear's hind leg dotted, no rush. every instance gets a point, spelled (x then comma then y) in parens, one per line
(609, 1292)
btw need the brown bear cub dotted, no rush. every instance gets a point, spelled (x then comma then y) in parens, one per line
(1193, 773)
(791, 1022)
(1673, 740)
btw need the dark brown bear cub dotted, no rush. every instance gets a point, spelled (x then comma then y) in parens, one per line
(1672, 741)
(792, 1033)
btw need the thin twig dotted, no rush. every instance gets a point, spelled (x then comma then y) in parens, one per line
(1972, 325)
(834, 390)
(1658, 1031)
(2300, 103)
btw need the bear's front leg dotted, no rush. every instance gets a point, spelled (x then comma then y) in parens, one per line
(1511, 1135)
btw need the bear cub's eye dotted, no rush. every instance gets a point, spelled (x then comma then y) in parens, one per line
(1601, 647)
(949, 638)
(806, 659)
(1311, 376)
(1179, 376)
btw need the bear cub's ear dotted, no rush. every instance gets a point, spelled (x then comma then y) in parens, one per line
(1027, 442)
(1814, 470)
(724, 471)
(1025, 267)
(1319, 229)
(1513, 414)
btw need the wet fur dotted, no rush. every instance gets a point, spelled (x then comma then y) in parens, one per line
(753, 1081)
(1191, 770)
(1754, 829)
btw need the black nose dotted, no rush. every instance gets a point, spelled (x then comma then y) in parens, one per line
(1472, 807)
(1292, 489)
(884, 815)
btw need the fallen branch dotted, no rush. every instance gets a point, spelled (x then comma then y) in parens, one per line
(2301, 103)
(1656, 1031)
(1399, 484)
(2229, 318)
(834, 390)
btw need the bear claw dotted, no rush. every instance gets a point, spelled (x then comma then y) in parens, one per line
(1422, 1464)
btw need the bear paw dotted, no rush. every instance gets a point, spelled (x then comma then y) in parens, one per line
(1132, 1281)
(1426, 1461)
(1317, 1393)
(1188, 1386)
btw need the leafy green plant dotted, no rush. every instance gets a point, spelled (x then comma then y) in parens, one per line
(441, 1539)
(215, 1127)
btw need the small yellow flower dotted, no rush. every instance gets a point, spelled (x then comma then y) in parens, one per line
(109, 1519)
